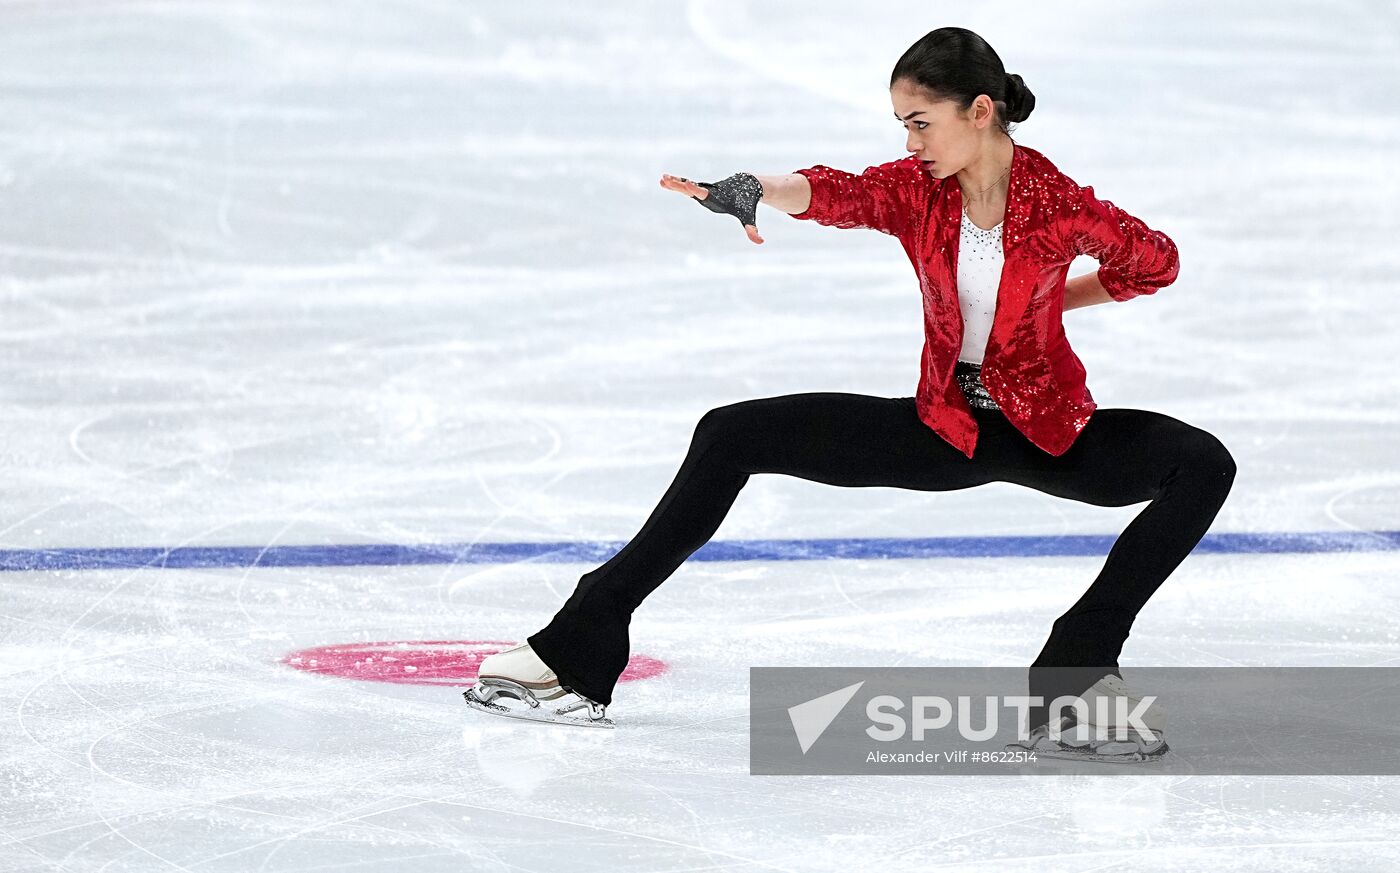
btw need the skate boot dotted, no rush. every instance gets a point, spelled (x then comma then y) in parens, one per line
(518, 674)
(1108, 735)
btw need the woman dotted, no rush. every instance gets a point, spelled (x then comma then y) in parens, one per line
(990, 227)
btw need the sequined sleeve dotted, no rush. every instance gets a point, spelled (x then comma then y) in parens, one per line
(882, 198)
(1133, 258)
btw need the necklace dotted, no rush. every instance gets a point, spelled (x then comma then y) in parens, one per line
(967, 201)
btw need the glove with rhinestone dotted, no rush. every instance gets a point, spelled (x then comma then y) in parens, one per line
(737, 195)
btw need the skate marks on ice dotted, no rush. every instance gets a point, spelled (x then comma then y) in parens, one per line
(521, 758)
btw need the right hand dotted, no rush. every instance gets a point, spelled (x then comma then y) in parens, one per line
(737, 195)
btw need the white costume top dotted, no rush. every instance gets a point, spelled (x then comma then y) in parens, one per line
(979, 275)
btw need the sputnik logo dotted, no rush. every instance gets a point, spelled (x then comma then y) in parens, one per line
(811, 719)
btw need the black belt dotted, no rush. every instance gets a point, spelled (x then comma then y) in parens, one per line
(969, 378)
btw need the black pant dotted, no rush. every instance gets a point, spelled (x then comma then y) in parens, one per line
(1123, 456)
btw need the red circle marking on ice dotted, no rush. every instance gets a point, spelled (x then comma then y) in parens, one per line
(424, 662)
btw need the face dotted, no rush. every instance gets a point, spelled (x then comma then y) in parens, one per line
(945, 139)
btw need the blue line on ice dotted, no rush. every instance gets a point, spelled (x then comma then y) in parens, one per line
(379, 555)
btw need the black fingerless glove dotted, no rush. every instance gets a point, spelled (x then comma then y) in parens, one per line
(737, 196)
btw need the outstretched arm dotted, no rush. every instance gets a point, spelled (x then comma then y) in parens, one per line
(884, 197)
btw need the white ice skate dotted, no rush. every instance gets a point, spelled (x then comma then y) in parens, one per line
(1108, 735)
(518, 674)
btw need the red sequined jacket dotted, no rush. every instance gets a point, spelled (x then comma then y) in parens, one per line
(1028, 367)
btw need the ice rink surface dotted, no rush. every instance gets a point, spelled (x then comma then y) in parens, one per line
(355, 274)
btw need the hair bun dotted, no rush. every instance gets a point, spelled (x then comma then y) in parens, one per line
(1019, 99)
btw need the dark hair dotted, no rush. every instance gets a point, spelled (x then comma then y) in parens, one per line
(953, 63)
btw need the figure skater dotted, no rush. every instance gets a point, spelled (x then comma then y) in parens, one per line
(990, 227)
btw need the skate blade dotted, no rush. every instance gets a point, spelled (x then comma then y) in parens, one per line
(562, 715)
(1107, 754)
